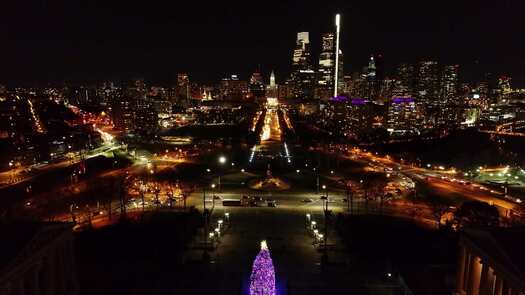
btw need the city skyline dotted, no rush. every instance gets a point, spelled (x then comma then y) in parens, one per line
(262, 148)
(171, 42)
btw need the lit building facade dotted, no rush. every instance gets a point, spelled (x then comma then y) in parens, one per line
(404, 116)
(232, 88)
(302, 78)
(326, 70)
(449, 84)
(256, 86)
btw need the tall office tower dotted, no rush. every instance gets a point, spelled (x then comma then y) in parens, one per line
(404, 85)
(326, 71)
(122, 112)
(371, 70)
(380, 67)
(427, 81)
(271, 90)
(330, 79)
(183, 87)
(303, 76)
(145, 116)
(503, 89)
(403, 117)
(232, 88)
(449, 84)
(380, 77)
(256, 85)
(371, 80)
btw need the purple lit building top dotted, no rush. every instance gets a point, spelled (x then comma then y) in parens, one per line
(402, 99)
(359, 101)
(339, 98)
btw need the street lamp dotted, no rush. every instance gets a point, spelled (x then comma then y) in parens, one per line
(222, 161)
(213, 195)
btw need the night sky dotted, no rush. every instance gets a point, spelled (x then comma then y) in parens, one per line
(55, 41)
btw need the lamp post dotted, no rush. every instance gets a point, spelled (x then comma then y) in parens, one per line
(317, 180)
(222, 161)
(325, 223)
(205, 216)
(213, 196)
(349, 199)
(326, 196)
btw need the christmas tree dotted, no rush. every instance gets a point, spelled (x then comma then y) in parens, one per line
(262, 280)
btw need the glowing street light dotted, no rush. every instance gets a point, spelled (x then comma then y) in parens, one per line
(222, 159)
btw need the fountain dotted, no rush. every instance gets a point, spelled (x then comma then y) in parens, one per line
(269, 183)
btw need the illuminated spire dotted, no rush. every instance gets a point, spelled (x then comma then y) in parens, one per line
(337, 52)
(272, 80)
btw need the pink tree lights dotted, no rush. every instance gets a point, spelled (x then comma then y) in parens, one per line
(262, 280)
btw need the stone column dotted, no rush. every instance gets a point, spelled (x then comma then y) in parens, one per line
(469, 280)
(462, 262)
(20, 287)
(484, 279)
(50, 273)
(60, 270)
(506, 288)
(35, 280)
(498, 288)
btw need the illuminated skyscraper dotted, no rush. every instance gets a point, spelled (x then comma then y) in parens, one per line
(330, 79)
(503, 89)
(183, 87)
(427, 81)
(449, 83)
(256, 85)
(303, 75)
(326, 71)
(232, 88)
(403, 117)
